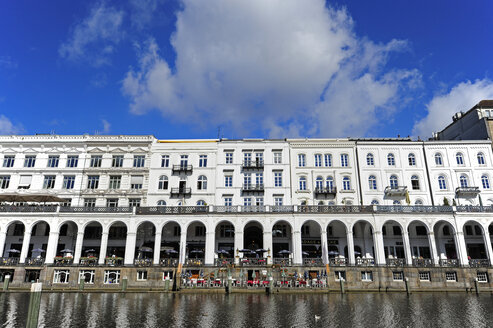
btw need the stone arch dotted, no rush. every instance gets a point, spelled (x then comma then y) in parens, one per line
(393, 242)
(474, 238)
(14, 229)
(145, 240)
(311, 239)
(225, 238)
(282, 237)
(67, 238)
(40, 234)
(363, 239)
(117, 239)
(443, 232)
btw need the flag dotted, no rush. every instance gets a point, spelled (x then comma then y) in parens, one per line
(408, 200)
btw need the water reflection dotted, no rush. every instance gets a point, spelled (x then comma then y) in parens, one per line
(250, 310)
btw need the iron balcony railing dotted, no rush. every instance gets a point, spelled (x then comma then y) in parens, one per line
(253, 164)
(449, 263)
(248, 187)
(338, 261)
(395, 190)
(282, 261)
(169, 262)
(479, 263)
(94, 209)
(194, 262)
(143, 262)
(413, 209)
(422, 262)
(224, 262)
(9, 261)
(253, 208)
(316, 261)
(248, 261)
(467, 191)
(395, 262)
(171, 210)
(27, 208)
(325, 191)
(181, 191)
(182, 169)
(34, 261)
(365, 262)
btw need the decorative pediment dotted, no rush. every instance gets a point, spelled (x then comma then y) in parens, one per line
(96, 150)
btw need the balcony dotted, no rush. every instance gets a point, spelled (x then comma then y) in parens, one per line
(247, 187)
(325, 192)
(338, 261)
(395, 262)
(423, 263)
(34, 261)
(181, 192)
(177, 169)
(449, 263)
(395, 191)
(143, 262)
(224, 262)
(194, 262)
(254, 208)
(63, 261)
(114, 261)
(479, 263)
(316, 261)
(365, 262)
(168, 262)
(253, 165)
(28, 208)
(7, 261)
(468, 192)
(158, 210)
(94, 209)
(284, 261)
(88, 261)
(253, 261)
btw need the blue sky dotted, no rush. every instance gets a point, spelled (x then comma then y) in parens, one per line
(279, 68)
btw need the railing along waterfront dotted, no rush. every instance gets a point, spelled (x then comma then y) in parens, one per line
(201, 209)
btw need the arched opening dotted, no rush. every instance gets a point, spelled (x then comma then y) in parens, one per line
(225, 242)
(475, 246)
(38, 244)
(393, 244)
(419, 243)
(337, 250)
(282, 242)
(311, 243)
(170, 244)
(253, 237)
(144, 244)
(13, 242)
(364, 250)
(195, 251)
(445, 242)
(117, 240)
(91, 244)
(67, 237)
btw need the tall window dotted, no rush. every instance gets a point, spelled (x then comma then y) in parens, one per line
(30, 161)
(53, 160)
(49, 182)
(277, 179)
(301, 160)
(438, 159)
(481, 159)
(346, 183)
(228, 181)
(184, 160)
(328, 160)
(259, 158)
(68, 181)
(259, 201)
(344, 160)
(96, 160)
(372, 182)
(329, 183)
(442, 184)
(203, 161)
(163, 182)
(164, 160)
(391, 159)
(8, 160)
(72, 160)
(202, 183)
(229, 158)
(370, 160)
(277, 157)
(92, 182)
(4, 181)
(302, 183)
(117, 161)
(247, 179)
(115, 181)
(393, 181)
(318, 160)
(247, 158)
(463, 181)
(319, 183)
(411, 159)
(459, 158)
(485, 181)
(259, 179)
(415, 182)
(139, 160)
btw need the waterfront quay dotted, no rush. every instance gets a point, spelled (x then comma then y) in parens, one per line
(344, 248)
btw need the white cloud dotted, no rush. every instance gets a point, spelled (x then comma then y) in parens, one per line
(442, 107)
(106, 126)
(8, 128)
(95, 37)
(257, 65)
(143, 11)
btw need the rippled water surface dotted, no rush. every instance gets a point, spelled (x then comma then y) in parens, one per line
(251, 310)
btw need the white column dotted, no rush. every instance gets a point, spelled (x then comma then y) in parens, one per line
(104, 245)
(325, 248)
(407, 248)
(209, 247)
(350, 247)
(297, 247)
(487, 242)
(25, 246)
(51, 248)
(433, 248)
(183, 246)
(379, 250)
(130, 248)
(3, 236)
(239, 242)
(78, 246)
(460, 244)
(157, 248)
(268, 245)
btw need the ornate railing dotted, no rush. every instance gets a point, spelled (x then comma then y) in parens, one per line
(395, 262)
(224, 262)
(252, 187)
(9, 260)
(253, 261)
(282, 209)
(225, 209)
(423, 262)
(334, 209)
(63, 261)
(337, 261)
(479, 263)
(27, 208)
(194, 262)
(282, 261)
(88, 261)
(34, 261)
(325, 191)
(253, 164)
(254, 208)
(468, 208)
(170, 262)
(414, 209)
(395, 190)
(171, 210)
(365, 262)
(113, 261)
(181, 191)
(182, 168)
(95, 209)
(143, 262)
(313, 261)
(449, 263)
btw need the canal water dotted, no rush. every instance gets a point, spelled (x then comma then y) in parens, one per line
(251, 310)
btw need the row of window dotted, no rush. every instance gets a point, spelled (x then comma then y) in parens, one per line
(329, 183)
(73, 161)
(327, 160)
(459, 157)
